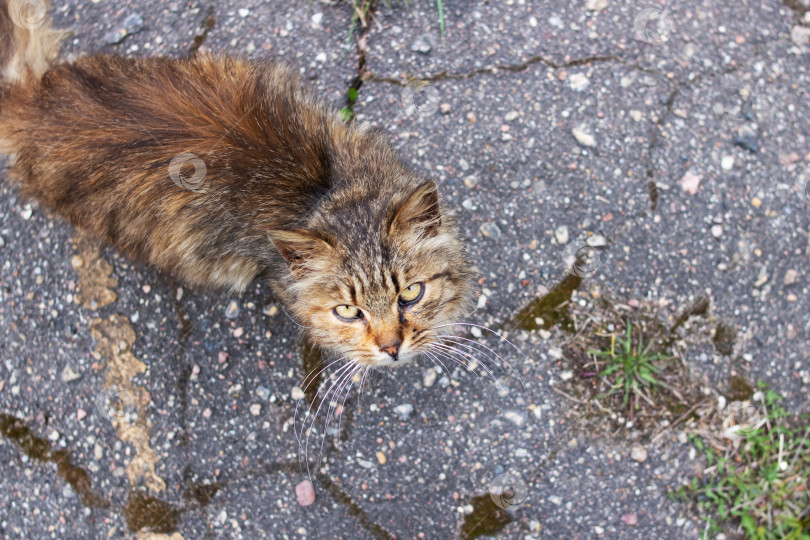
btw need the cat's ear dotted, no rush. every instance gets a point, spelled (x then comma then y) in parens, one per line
(418, 211)
(299, 248)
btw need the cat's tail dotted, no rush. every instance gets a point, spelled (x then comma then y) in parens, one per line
(28, 42)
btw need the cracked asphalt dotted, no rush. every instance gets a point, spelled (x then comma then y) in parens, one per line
(671, 137)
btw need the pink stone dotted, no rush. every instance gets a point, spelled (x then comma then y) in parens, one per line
(630, 519)
(305, 493)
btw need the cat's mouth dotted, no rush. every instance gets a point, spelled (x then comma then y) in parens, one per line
(404, 356)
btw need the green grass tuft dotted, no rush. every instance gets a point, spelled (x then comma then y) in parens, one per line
(631, 369)
(761, 487)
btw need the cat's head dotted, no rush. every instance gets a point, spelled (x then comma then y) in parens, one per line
(377, 278)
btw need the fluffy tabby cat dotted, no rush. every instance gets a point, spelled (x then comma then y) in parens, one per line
(359, 248)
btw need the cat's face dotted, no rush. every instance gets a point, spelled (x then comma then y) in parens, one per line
(378, 284)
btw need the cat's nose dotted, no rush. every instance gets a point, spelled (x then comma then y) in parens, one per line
(392, 350)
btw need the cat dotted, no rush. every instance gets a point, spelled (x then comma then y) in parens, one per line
(219, 170)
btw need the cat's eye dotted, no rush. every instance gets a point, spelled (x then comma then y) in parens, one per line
(412, 294)
(348, 313)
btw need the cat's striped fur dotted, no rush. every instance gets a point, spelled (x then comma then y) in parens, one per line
(282, 187)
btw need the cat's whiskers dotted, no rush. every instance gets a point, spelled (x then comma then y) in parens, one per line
(464, 365)
(437, 362)
(456, 340)
(336, 375)
(464, 357)
(346, 373)
(348, 383)
(311, 378)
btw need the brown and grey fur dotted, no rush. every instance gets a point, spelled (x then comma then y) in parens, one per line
(325, 210)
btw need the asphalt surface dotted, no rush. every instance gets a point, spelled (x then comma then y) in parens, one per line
(201, 442)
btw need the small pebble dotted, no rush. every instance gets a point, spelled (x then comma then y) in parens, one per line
(517, 418)
(630, 519)
(80, 414)
(305, 493)
(690, 182)
(800, 35)
(756, 202)
(445, 108)
(256, 409)
(512, 115)
(131, 25)
(270, 310)
(597, 240)
(561, 234)
(421, 45)
(717, 231)
(429, 377)
(578, 82)
(263, 392)
(727, 163)
(238, 332)
(381, 458)
(296, 393)
(206, 413)
(244, 12)
(490, 230)
(146, 289)
(747, 141)
(222, 357)
(471, 181)
(638, 453)
(790, 277)
(584, 136)
(232, 311)
(762, 277)
(404, 411)
(595, 5)
(68, 375)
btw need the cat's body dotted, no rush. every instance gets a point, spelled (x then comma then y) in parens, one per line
(217, 170)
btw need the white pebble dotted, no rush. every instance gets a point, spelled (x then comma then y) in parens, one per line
(297, 393)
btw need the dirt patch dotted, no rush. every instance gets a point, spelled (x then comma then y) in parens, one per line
(95, 275)
(122, 402)
(594, 375)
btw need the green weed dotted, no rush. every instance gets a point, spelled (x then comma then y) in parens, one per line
(761, 486)
(631, 369)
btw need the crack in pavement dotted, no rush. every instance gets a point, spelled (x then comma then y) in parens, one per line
(491, 70)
